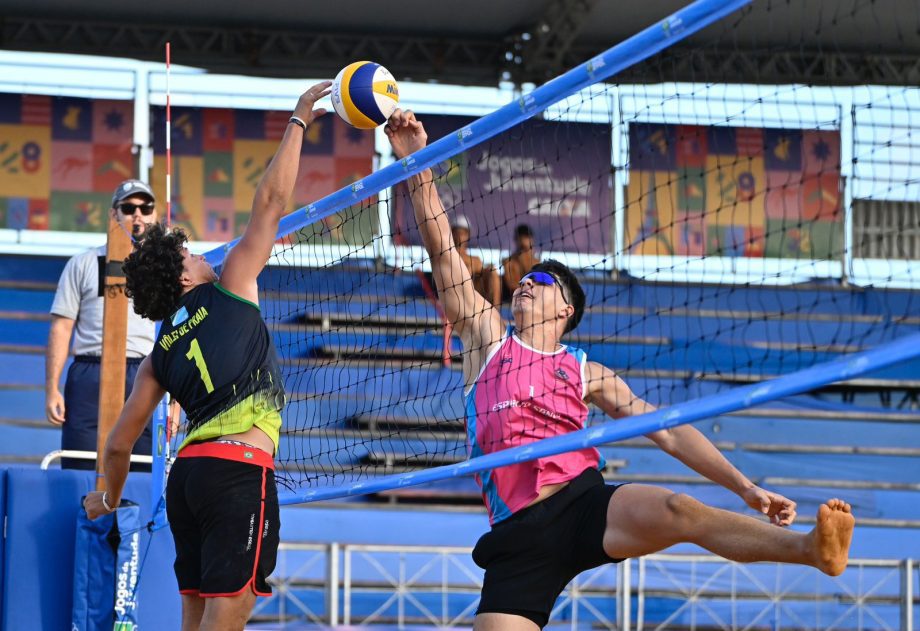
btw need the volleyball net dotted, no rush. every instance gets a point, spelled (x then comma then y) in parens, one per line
(731, 239)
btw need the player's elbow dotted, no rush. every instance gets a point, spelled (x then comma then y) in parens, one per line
(116, 448)
(117, 444)
(270, 203)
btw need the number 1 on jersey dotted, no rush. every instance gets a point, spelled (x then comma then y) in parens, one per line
(194, 353)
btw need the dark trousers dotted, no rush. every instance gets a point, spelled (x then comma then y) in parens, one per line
(81, 400)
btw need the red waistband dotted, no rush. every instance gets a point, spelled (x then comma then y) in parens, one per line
(226, 451)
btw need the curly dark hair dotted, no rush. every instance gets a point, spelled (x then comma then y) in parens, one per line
(152, 272)
(573, 290)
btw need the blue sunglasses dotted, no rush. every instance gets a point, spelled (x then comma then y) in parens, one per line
(546, 279)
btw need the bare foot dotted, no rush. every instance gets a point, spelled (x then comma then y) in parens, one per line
(831, 537)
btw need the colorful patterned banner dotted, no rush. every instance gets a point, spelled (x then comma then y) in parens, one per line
(219, 155)
(733, 191)
(61, 158)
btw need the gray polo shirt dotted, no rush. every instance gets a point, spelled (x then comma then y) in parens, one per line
(79, 298)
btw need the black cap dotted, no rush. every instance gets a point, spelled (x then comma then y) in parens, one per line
(131, 187)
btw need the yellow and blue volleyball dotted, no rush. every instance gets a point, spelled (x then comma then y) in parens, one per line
(364, 94)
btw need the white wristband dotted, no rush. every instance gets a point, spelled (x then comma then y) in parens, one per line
(105, 504)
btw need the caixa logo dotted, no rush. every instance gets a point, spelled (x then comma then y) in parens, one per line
(464, 133)
(527, 103)
(357, 186)
(407, 163)
(311, 210)
(594, 65)
(672, 26)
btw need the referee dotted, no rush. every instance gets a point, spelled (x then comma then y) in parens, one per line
(77, 313)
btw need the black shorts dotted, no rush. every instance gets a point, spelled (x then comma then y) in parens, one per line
(531, 556)
(222, 505)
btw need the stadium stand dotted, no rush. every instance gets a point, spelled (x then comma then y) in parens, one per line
(856, 439)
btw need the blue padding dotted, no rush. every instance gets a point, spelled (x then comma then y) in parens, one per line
(24, 368)
(30, 332)
(36, 301)
(376, 525)
(39, 562)
(837, 301)
(2, 539)
(338, 281)
(42, 269)
(106, 572)
(30, 441)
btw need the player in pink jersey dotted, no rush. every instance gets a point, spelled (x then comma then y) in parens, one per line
(554, 518)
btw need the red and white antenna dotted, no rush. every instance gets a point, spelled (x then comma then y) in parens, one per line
(168, 147)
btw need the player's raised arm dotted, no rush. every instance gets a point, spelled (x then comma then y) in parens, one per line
(471, 315)
(246, 260)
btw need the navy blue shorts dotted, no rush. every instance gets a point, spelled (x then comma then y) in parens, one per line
(81, 416)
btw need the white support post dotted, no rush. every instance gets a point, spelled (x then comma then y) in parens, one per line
(332, 582)
(907, 595)
(346, 587)
(141, 134)
(618, 178)
(383, 156)
(624, 596)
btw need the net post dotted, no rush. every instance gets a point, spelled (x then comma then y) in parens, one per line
(114, 339)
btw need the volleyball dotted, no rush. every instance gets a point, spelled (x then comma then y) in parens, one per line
(364, 94)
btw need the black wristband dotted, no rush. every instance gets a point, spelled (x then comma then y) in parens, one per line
(298, 121)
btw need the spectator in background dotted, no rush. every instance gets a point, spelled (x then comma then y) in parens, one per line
(485, 277)
(77, 312)
(521, 260)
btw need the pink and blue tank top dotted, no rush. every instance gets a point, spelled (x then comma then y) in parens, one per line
(523, 395)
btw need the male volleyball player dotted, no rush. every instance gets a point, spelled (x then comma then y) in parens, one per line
(215, 355)
(554, 517)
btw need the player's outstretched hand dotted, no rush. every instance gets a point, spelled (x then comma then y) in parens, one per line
(308, 99)
(779, 509)
(406, 134)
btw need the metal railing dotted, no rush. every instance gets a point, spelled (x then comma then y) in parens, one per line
(439, 586)
(77, 454)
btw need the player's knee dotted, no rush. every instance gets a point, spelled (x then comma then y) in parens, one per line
(682, 509)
